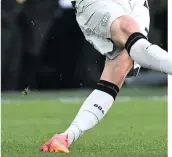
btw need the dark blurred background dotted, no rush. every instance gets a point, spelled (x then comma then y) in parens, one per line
(43, 47)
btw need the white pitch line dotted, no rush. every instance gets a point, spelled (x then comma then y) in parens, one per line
(80, 100)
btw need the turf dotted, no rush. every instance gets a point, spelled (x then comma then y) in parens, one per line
(133, 128)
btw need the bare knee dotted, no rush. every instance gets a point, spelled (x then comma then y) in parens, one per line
(122, 28)
(116, 70)
(128, 25)
(123, 63)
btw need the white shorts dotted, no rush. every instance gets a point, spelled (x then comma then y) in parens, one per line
(96, 16)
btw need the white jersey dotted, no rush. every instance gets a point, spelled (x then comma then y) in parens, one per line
(96, 16)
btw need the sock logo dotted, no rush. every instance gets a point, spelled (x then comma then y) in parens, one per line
(100, 108)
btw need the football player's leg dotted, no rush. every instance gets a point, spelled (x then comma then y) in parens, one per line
(101, 99)
(126, 31)
(97, 103)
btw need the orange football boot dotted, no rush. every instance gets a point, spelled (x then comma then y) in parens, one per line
(58, 143)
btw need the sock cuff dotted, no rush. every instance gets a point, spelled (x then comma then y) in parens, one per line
(108, 88)
(133, 39)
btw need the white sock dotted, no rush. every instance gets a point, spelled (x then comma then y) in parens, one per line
(148, 55)
(91, 112)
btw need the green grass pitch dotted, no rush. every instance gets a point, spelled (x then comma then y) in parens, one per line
(132, 128)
